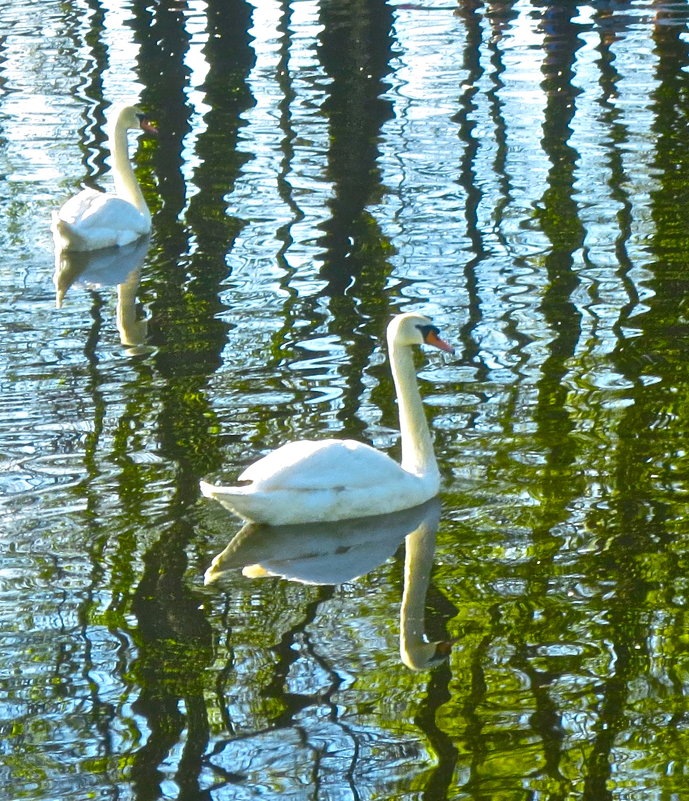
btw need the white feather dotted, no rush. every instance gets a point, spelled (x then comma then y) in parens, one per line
(308, 481)
(93, 220)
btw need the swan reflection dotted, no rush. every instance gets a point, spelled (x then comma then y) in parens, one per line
(341, 551)
(115, 266)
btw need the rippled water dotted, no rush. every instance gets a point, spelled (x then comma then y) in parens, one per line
(518, 171)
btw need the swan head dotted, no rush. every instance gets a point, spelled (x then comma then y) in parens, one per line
(127, 117)
(412, 328)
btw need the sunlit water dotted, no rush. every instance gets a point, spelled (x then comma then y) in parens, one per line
(516, 170)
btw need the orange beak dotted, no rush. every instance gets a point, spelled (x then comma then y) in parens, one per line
(146, 125)
(433, 339)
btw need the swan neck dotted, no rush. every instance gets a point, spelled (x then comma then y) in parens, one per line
(418, 456)
(126, 185)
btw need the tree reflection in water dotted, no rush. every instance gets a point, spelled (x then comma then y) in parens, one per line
(514, 169)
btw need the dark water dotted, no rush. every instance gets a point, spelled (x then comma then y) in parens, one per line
(517, 170)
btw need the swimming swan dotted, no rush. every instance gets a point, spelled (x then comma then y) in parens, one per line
(332, 479)
(92, 220)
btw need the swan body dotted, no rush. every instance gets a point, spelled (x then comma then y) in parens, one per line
(307, 481)
(92, 220)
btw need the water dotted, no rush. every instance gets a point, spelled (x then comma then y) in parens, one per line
(517, 170)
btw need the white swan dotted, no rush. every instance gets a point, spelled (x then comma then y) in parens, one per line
(92, 220)
(307, 481)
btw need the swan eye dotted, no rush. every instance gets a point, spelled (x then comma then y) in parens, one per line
(145, 124)
(428, 331)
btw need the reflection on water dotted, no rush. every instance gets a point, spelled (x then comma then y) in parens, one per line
(337, 552)
(516, 170)
(419, 548)
(320, 553)
(115, 266)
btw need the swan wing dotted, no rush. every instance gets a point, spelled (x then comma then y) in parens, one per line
(92, 220)
(81, 205)
(309, 481)
(306, 465)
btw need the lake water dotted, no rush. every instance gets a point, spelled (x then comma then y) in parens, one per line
(517, 170)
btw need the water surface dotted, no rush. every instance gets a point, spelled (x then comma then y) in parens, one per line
(517, 170)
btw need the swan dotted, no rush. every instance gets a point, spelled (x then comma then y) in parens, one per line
(92, 220)
(337, 479)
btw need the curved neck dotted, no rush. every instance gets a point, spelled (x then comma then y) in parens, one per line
(126, 185)
(418, 456)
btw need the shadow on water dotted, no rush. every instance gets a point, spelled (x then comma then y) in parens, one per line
(187, 262)
(355, 50)
(640, 542)
(467, 176)
(558, 215)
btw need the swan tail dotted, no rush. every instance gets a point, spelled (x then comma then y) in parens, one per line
(214, 491)
(233, 498)
(65, 229)
(65, 235)
(265, 508)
